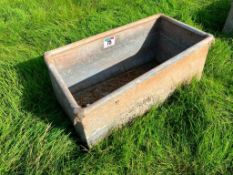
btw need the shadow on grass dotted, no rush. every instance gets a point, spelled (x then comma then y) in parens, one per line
(213, 17)
(39, 98)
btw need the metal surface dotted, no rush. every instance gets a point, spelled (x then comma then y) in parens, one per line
(102, 87)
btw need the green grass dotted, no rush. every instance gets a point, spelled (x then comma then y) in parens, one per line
(191, 133)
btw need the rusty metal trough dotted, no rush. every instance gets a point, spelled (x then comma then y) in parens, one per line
(104, 81)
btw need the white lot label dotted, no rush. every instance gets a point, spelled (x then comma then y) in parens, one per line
(109, 41)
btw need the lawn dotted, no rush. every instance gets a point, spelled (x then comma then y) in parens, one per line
(191, 133)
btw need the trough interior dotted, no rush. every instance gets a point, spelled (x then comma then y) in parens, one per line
(92, 71)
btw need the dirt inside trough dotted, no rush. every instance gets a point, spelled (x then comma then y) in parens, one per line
(98, 91)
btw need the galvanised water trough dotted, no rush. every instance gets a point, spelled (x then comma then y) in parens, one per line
(228, 28)
(105, 81)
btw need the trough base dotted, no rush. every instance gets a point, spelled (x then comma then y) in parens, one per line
(98, 91)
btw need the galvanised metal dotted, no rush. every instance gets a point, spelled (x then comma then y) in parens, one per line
(105, 81)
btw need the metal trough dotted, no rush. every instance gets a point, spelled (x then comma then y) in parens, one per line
(104, 81)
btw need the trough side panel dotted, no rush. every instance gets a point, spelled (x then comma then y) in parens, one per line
(134, 102)
(93, 58)
(73, 53)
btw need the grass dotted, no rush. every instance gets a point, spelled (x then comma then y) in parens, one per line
(191, 133)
